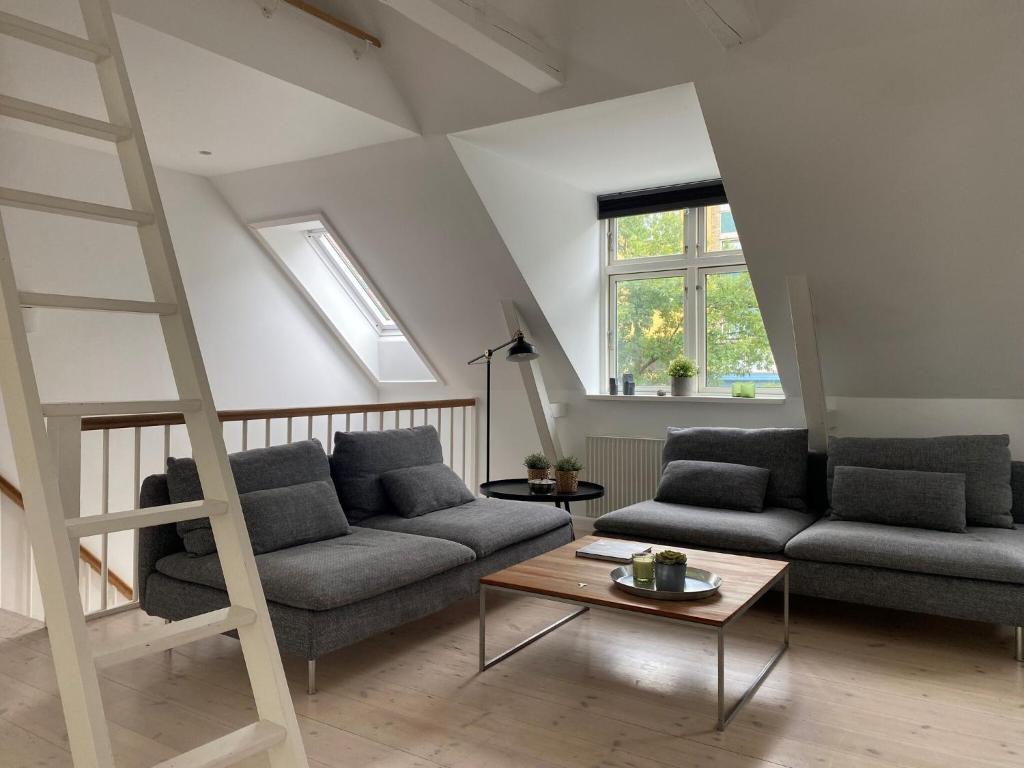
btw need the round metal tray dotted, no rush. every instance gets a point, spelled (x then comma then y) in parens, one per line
(699, 584)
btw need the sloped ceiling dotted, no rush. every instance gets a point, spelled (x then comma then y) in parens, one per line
(191, 99)
(883, 160)
(610, 48)
(539, 177)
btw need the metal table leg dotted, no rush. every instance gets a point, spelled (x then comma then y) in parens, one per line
(724, 717)
(487, 664)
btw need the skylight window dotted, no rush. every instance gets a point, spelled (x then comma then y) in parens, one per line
(349, 278)
(330, 277)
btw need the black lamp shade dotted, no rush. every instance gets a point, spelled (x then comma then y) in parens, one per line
(521, 351)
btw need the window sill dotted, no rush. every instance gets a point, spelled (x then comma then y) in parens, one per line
(716, 399)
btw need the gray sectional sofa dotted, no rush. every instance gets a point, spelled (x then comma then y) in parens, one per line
(868, 541)
(339, 558)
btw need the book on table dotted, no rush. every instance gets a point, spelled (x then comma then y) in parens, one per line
(613, 551)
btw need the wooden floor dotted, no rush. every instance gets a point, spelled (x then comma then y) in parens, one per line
(859, 687)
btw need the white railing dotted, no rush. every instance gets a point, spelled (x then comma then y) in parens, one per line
(114, 454)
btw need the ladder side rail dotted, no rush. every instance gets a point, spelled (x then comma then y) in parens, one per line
(57, 572)
(259, 645)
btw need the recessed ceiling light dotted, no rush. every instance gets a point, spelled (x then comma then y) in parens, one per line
(205, 152)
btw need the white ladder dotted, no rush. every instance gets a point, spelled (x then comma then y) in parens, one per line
(75, 658)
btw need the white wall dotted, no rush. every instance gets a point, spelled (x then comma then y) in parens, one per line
(425, 240)
(552, 232)
(291, 45)
(262, 344)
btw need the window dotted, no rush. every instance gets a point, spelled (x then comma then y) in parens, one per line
(328, 275)
(678, 284)
(348, 276)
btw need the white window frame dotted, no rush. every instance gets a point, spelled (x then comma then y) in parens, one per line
(693, 265)
(354, 283)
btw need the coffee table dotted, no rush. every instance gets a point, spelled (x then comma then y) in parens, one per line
(561, 576)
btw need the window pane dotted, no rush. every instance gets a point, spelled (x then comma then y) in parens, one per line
(720, 229)
(736, 345)
(650, 234)
(649, 329)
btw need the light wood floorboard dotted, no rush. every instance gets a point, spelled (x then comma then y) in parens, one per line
(859, 688)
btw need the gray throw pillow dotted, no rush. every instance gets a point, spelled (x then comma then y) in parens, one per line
(934, 500)
(279, 518)
(781, 451)
(415, 491)
(286, 494)
(983, 459)
(714, 484)
(360, 458)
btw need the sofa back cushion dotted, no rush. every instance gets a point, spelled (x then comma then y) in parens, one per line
(1017, 485)
(933, 500)
(360, 458)
(781, 451)
(286, 494)
(415, 491)
(984, 460)
(714, 484)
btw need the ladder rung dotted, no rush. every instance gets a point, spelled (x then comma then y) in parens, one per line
(167, 636)
(31, 112)
(231, 749)
(92, 525)
(91, 303)
(129, 408)
(51, 38)
(34, 201)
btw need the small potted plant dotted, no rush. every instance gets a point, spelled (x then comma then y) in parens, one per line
(684, 376)
(670, 570)
(537, 466)
(567, 474)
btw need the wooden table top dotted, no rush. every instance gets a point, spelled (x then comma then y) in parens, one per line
(560, 574)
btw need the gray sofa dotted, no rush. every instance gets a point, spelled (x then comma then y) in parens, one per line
(976, 574)
(328, 592)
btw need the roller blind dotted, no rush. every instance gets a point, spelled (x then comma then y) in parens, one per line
(661, 199)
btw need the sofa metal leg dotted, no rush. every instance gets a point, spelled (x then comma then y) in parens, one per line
(169, 653)
(311, 677)
(1019, 638)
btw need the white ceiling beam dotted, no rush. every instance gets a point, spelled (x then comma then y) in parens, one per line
(732, 22)
(490, 36)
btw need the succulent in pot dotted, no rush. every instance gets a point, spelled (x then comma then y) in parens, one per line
(567, 474)
(670, 570)
(537, 466)
(683, 371)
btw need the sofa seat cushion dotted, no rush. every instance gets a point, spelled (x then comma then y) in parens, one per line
(765, 532)
(330, 574)
(988, 554)
(484, 525)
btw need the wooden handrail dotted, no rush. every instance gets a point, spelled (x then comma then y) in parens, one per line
(93, 423)
(122, 587)
(334, 21)
(8, 489)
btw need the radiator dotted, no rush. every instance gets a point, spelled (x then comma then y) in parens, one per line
(628, 467)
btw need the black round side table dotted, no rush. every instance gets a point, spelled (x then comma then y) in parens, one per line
(518, 489)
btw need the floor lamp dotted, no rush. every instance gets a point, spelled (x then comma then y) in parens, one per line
(519, 351)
